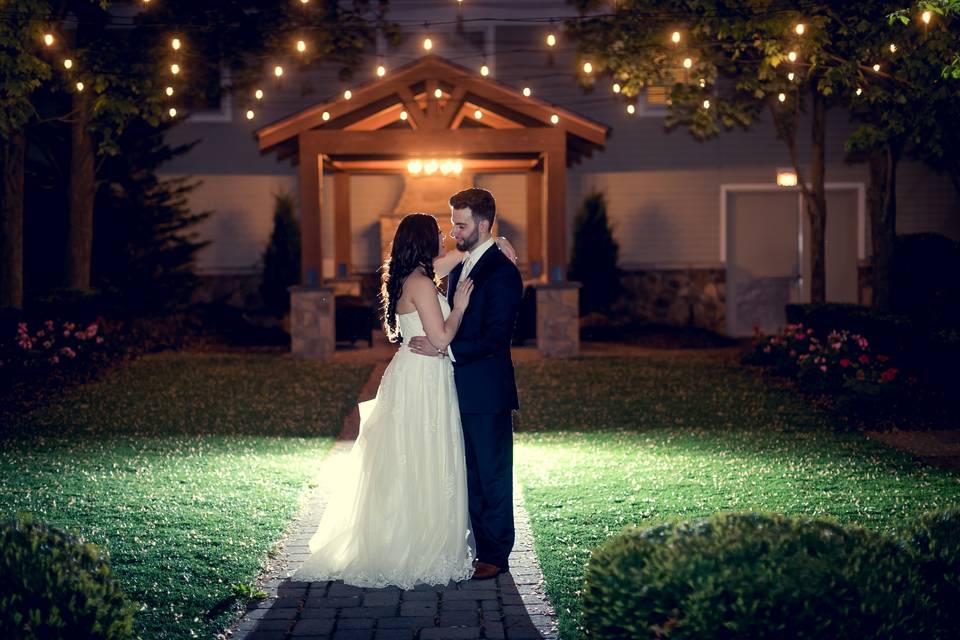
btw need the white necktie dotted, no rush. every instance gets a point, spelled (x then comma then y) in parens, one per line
(467, 265)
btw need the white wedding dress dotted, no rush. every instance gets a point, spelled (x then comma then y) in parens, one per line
(398, 515)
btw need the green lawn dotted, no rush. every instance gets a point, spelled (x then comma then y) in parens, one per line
(605, 443)
(185, 468)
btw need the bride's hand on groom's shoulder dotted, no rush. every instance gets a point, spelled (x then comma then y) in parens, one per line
(421, 346)
(506, 248)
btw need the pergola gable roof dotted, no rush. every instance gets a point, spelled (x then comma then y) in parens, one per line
(412, 89)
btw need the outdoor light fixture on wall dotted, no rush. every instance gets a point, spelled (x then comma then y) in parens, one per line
(429, 167)
(786, 178)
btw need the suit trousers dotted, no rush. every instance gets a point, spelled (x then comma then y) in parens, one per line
(488, 445)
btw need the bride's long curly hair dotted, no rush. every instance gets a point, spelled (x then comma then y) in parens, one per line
(415, 245)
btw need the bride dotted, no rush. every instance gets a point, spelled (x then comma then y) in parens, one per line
(399, 515)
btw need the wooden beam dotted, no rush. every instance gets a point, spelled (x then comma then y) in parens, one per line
(378, 120)
(414, 110)
(490, 118)
(463, 142)
(452, 106)
(535, 223)
(311, 180)
(432, 120)
(555, 168)
(341, 224)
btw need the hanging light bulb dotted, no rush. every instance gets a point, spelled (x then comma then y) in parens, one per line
(403, 115)
(381, 71)
(68, 64)
(616, 87)
(551, 40)
(527, 92)
(859, 91)
(687, 63)
(631, 109)
(347, 94)
(791, 76)
(675, 37)
(250, 114)
(925, 16)
(484, 70)
(48, 39)
(782, 97)
(301, 46)
(304, 1)
(478, 114)
(587, 68)
(258, 94)
(430, 167)
(800, 28)
(792, 56)
(169, 91)
(427, 44)
(79, 86)
(325, 115)
(702, 83)
(278, 71)
(876, 68)
(175, 43)
(706, 104)
(437, 93)
(173, 112)
(555, 119)
(893, 48)
(415, 166)
(174, 68)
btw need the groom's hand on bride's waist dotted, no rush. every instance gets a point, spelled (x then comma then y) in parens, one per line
(420, 345)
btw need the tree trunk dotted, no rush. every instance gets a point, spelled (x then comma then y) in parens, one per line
(882, 196)
(816, 200)
(82, 192)
(13, 159)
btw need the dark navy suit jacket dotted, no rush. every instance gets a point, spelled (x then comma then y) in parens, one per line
(482, 366)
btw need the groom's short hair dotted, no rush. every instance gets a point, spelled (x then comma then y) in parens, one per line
(481, 203)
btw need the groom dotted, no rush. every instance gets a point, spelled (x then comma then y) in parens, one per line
(483, 371)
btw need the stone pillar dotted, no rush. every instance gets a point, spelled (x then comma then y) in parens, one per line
(558, 319)
(312, 325)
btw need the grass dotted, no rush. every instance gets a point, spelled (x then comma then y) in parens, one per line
(184, 468)
(606, 443)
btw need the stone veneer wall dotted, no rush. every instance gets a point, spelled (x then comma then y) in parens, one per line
(690, 297)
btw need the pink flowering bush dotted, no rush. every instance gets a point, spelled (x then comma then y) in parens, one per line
(51, 345)
(840, 361)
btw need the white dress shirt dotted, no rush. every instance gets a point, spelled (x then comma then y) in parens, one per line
(473, 257)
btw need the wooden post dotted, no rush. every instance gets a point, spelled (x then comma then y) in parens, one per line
(535, 223)
(555, 167)
(341, 224)
(311, 266)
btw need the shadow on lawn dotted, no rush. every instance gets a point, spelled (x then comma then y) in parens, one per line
(472, 609)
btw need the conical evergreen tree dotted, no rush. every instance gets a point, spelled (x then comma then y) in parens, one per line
(281, 260)
(594, 259)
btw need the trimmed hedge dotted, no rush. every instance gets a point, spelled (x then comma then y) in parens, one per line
(54, 586)
(757, 576)
(935, 537)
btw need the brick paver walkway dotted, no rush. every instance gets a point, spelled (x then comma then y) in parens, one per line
(513, 605)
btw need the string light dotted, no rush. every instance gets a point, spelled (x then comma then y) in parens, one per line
(792, 56)
(800, 28)
(431, 166)
(484, 70)
(675, 37)
(790, 76)
(301, 46)
(48, 39)
(175, 43)
(304, 1)
(381, 71)
(782, 97)
(876, 68)
(527, 92)
(551, 40)
(427, 44)
(587, 67)
(859, 90)
(437, 93)
(403, 115)
(555, 119)
(250, 114)
(616, 87)
(79, 86)
(68, 64)
(703, 83)
(478, 114)
(258, 94)
(893, 48)
(347, 94)
(278, 71)
(687, 63)
(325, 115)
(169, 91)
(631, 109)
(706, 104)
(174, 68)
(925, 16)
(172, 112)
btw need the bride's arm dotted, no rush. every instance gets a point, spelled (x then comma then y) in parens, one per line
(443, 265)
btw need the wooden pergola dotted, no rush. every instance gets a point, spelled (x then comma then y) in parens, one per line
(434, 108)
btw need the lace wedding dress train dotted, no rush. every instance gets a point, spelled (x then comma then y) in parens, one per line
(398, 513)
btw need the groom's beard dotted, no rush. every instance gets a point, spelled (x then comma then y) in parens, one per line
(470, 242)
